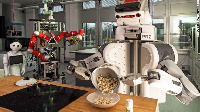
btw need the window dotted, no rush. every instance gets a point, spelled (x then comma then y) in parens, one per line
(108, 3)
(41, 10)
(159, 24)
(181, 27)
(107, 32)
(89, 5)
(89, 38)
(58, 8)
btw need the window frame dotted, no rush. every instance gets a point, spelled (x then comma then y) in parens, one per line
(88, 8)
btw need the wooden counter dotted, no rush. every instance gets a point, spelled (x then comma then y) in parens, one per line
(141, 104)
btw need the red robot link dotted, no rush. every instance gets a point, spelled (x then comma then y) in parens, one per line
(36, 34)
(130, 1)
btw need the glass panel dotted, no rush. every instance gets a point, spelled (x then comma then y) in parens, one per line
(89, 38)
(41, 10)
(107, 32)
(180, 30)
(159, 24)
(89, 5)
(57, 8)
(108, 3)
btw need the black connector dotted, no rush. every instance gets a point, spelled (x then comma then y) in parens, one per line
(26, 78)
(128, 7)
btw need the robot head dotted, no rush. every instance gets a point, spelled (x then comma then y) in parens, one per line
(15, 46)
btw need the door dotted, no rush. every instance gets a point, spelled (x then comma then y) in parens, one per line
(180, 27)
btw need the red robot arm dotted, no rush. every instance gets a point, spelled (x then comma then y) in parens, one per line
(60, 36)
(47, 38)
(130, 1)
(67, 35)
(77, 39)
(32, 44)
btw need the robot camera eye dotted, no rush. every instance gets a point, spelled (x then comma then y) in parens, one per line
(17, 45)
(138, 15)
(13, 45)
(117, 16)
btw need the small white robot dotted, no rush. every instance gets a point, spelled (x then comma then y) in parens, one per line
(14, 61)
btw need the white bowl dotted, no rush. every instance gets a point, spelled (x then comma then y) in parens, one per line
(92, 96)
(106, 70)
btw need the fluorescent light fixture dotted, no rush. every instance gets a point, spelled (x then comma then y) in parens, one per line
(29, 7)
(75, 1)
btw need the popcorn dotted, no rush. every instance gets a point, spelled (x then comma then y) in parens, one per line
(102, 100)
(106, 84)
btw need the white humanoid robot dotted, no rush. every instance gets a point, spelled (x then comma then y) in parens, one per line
(14, 61)
(138, 59)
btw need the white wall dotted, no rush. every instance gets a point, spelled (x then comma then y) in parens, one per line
(8, 13)
(107, 14)
(58, 16)
(30, 14)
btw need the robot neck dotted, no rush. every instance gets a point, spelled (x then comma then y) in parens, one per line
(14, 52)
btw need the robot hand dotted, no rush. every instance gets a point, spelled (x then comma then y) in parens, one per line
(170, 78)
(82, 73)
(23, 71)
(76, 68)
(132, 79)
(71, 67)
(75, 37)
(164, 81)
(5, 62)
(81, 68)
(6, 73)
